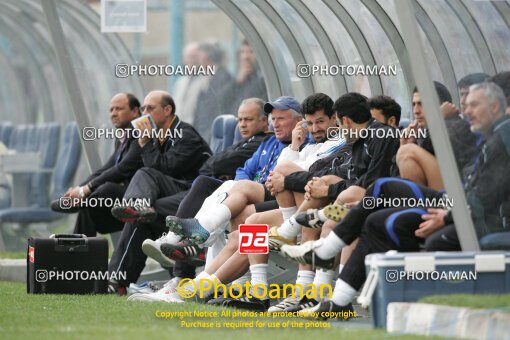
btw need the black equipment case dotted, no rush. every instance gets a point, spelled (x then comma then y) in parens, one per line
(67, 264)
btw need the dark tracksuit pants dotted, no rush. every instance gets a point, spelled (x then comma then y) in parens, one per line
(382, 229)
(99, 219)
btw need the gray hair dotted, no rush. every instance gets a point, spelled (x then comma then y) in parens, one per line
(493, 92)
(295, 114)
(257, 101)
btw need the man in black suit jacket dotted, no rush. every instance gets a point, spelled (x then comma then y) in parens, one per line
(112, 179)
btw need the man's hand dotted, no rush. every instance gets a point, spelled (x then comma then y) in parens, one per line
(275, 183)
(409, 133)
(434, 221)
(145, 128)
(316, 188)
(298, 136)
(245, 69)
(73, 193)
(449, 110)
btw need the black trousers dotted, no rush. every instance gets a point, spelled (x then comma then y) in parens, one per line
(386, 229)
(349, 228)
(445, 239)
(99, 219)
(152, 184)
(381, 229)
(128, 255)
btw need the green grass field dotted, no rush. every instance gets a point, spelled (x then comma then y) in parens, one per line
(501, 302)
(24, 316)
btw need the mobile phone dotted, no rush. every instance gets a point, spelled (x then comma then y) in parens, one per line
(304, 125)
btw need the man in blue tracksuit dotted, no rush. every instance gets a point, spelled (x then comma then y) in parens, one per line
(247, 189)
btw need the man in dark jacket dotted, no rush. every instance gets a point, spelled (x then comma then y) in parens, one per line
(129, 255)
(172, 154)
(112, 179)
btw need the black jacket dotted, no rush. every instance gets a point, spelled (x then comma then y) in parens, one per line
(488, 185)
(371, 159)
(224, 164)
(128, 159)
(180, 158)
(463, 141)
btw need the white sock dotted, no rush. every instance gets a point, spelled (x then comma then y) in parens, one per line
(340, 267)
(290, 228)
(322, 217)
(288, 212)
(304, 278)
(242, 280)
(259, 277)
(171, 238)
(343, 294)
(323, 277)
(201, 275)
(218, 216)
(209, 285)
(331, 245)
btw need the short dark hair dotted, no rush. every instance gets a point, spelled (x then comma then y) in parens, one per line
(317, 102)
(166, 99)
(473, 78)
(442, 92)
(353, 105)
(133, 101)
(388, 106)
(502, 79)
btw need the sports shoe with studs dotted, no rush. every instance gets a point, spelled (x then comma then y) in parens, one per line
(252, 303)
(166, 294)
(276, 240)
(131, 214)
(152, 248)
(326, 309)
(310, 219)
(285, 304)
(303, 304)
(305, 254)
(189, 228)
(186, 252)
(335, 212)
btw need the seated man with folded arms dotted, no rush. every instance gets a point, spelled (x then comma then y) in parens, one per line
(381, 229)
(412, 148)
(112, 179)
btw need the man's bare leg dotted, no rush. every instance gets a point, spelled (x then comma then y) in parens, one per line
(241, 218)
(351, 195)
(419, 166)
(237, 264)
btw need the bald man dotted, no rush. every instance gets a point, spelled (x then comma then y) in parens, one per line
(112, 179)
